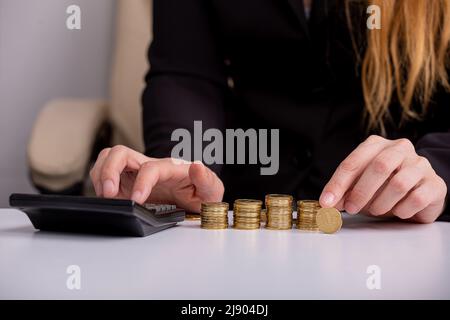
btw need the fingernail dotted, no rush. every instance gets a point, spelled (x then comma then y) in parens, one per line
(327, 199)
(108, 188)
(351, 208)
(136, 196)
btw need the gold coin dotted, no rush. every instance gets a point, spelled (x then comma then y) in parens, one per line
(263, 215)
(248, 202)
(247, 220)
(329, 220)
(192, 217)
(278, 227)
(276, 200)
(214, 206)
(247, 226)
(214, 227)
(308, 203)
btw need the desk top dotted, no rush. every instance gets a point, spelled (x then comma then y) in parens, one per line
(187, 262)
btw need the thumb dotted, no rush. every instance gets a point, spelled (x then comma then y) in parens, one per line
(208, 187)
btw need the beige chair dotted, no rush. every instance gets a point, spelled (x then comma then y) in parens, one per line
(69, 132)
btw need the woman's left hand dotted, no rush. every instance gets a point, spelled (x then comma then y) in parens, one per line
(386, 177)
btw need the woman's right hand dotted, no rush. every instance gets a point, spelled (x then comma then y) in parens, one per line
(121, 172)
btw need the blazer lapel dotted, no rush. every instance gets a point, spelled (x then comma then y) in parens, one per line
(299, 11)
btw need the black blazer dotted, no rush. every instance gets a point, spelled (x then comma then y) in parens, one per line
(262, 64)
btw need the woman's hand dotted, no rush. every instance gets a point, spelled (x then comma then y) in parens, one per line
(120, 172)
(386, 177)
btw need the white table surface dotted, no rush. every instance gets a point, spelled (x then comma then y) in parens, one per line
(187, 262)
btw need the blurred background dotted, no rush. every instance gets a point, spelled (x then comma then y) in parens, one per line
(40, 59)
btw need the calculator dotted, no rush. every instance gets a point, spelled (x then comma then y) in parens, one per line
(96, 215)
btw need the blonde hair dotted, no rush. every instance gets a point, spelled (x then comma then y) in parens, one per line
(407, 58)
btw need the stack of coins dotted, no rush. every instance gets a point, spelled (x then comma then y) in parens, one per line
(306, 215)
(247, 214)
(279, 211)
(214, 215)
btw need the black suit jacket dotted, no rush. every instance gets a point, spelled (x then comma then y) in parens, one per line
(262, 64)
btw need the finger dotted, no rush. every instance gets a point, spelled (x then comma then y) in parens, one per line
(373, 177)
(153, 172)
(396, 189)
(435, 209)
(350, 169)
(118, 159)
(429, 214)
(340, 205)
(365, 210)
(96, 169)
(416, 201)
(146, 180)
(208, 187)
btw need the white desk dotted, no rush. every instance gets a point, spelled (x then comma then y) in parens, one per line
(187, 262)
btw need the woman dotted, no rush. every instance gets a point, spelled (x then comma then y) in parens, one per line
(363, 114)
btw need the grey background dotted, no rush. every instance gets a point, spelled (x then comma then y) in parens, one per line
(41, 59)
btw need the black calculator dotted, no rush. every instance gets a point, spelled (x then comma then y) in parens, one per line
(96, 215)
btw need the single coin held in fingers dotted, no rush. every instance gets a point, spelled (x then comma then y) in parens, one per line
(329, 220)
